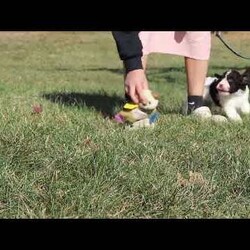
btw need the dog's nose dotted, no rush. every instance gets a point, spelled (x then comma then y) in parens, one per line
(219, 86)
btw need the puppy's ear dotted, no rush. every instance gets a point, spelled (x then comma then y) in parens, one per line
(246, 77)
(246, 80)
(247, 71)
(218, 76)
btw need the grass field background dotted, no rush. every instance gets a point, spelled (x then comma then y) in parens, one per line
(72, 161)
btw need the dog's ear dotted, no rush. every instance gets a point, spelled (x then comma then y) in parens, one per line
(246, 77)
(246, 81)
(247, 71)
(218, 76)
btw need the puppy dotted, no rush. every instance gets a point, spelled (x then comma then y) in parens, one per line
(230, 91)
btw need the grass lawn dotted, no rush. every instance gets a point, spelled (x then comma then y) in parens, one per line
(72, 161)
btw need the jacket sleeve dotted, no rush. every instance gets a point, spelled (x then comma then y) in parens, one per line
(129, 47)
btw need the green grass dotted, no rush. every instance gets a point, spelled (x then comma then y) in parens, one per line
(72, 161)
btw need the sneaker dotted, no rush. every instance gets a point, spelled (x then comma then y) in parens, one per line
(219, 119)
(202, 112)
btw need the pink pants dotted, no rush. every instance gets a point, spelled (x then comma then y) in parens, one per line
(193, 44)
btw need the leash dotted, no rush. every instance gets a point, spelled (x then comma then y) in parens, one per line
(218, 34)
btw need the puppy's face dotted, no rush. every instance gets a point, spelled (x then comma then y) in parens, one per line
(230, 82)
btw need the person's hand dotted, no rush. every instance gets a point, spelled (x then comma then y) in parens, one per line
(135, 82)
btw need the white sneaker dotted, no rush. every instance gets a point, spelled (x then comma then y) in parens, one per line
(219, 119)
(202, 112)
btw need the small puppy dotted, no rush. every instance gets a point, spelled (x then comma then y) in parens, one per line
(230, 91)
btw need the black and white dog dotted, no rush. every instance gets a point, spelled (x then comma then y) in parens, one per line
(230, 91)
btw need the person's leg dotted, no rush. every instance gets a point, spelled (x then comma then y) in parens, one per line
(196, 71)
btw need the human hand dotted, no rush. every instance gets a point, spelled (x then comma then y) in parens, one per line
(134, 84)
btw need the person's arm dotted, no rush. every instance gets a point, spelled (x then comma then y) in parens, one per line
(129, 47)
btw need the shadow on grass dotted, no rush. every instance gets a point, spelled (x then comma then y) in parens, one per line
(106, 104)
(101, 102)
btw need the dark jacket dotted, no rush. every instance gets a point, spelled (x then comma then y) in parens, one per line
(129, 47)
